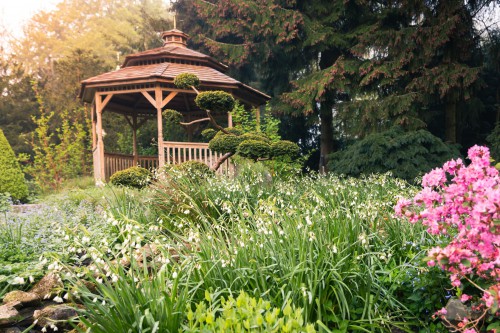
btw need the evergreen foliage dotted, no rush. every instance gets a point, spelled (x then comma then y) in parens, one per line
(186, 81)
(194, 168)
(254, 149)
(12, 180)
(406, 154)
(208, 134)
(135, 177)
(494, 142)
(284, 148)
(219, 101)
(225, 143)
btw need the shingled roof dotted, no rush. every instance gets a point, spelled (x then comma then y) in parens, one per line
(165, 63)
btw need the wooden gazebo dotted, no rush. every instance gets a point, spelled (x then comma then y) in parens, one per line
(143, 87)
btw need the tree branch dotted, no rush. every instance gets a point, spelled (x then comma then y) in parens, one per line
(194, 122)
(221, 160)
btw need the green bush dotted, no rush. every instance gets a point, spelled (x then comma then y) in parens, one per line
(254, 149)
(244, 314)
(255, 136)
(11, 176)
(172, 116)
(195, 168)
(208, 134)
(186, 81)
(284, 149)
(406, 154)
(219, 101)
(226, 143)
(135, 177)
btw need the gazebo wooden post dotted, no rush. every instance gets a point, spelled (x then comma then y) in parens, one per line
(161, 149)
(100, 104)
(134, 139)
(229, 119)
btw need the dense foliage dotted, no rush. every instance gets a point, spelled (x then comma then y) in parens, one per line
(461, 202)
(217, 101)
(186, 81)
(405, 154)
(135, 177)
(12, 180)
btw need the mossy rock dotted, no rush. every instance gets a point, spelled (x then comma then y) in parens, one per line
(11, 176)
(135, 177)
(217, 101)
(186, 81)
(254, 149)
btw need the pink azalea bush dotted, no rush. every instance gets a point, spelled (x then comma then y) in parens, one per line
(463, 203)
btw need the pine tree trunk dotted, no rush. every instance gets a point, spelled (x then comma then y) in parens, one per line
(326, 135)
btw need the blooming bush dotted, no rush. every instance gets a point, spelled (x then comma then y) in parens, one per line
(463, 203)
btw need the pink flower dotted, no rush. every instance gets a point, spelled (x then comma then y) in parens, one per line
(464, 298)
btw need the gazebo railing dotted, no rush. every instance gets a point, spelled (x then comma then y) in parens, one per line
(178, 152)
(117, 162)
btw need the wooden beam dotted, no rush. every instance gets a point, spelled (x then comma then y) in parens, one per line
(105, 101)
(99, 168)
(168, 98)
(161, 149)
(150, 99)
(134, 139)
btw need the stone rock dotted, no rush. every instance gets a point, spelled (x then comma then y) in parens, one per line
(8, 315)
(456, 311)
(25, 298)
(46, 286)
(55, 314)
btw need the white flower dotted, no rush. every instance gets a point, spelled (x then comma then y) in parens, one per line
(44, 329)
(58, 299)
(99, 280)
(186, 212)
(18, 280)
(66, 296)
(114, 278)
(174, 275)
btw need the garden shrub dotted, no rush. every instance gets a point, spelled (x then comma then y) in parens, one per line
(405, 154)
(461, 203)
(186, 81)
(135, 177)
(284, 149)
(208, 134)
(255, 136)
(254, 149)
(195, 168)
(172, 116)
(225, 143)
(219, 101)
(11, 176)
(244, 314)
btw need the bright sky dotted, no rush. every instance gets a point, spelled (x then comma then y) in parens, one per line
(15, 13)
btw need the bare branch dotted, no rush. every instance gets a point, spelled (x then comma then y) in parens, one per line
(221, 160)
(214, 123)
(195, 121)
(195, 90)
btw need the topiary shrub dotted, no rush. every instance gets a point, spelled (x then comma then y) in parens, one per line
(208, 134)
(172, 116)
(135, 177)
(186, 81)
(406, 154)
(219, 101)
(11, 176)
(254, 149)
(256, 137)
(284, 149)
(226, 143)
(195, 168)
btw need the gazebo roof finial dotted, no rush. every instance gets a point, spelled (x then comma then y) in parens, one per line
(174, 37)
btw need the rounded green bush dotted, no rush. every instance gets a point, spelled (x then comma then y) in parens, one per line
(11, 176)
(254, 149)
(186, 81)
(195, 168)
(220, 101)
(284, 148)
(255, 136)
(225, 143)
(135, 177)
(172, 116)
(208, 134)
